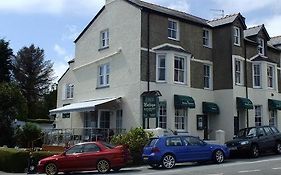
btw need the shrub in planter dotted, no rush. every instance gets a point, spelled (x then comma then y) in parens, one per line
(135, 139)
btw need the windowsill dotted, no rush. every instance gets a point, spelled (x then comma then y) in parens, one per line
(238, 45)
(68, 98)
(270, 88)
(206, 46)
(257, 87)
(102, 87)
(175, 39)
(180, 83)
(161, 82)
(209, 89)
(239, 84)
(103, 48)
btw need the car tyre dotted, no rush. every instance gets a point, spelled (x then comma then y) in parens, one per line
(51, 169)
(103, 166)
(255, 152)
(154, 165)
(278, 148)
(168, 161)
(218, 156)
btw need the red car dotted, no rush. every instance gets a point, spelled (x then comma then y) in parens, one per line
(87, 156)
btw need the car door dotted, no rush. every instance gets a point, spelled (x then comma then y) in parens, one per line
(175, 145)
(270, 140)
(196, 149)
(262, 138)
(71, 161)
(88, 159)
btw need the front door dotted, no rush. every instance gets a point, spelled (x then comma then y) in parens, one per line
(236, 125)
(206, 127)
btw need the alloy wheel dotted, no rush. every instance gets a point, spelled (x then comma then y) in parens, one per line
(278, 148)
(168, 161)
(103, 166)
(219, 156)
(51, 169)
(255, 151)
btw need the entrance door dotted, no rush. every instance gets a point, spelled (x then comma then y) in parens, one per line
(206, 127)
(236, 125)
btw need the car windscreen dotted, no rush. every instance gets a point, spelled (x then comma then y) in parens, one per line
(152, 142)
(247, 132)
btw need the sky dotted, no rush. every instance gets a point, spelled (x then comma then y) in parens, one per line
(53, 25)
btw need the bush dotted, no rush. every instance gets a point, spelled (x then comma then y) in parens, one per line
(16, 161)
(135, 139)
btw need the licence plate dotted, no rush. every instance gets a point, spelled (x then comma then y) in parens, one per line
(145, 158)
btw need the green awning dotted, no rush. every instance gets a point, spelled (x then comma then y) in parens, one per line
(274, 104)
(244, 103)
(210, 108)
(182, 102)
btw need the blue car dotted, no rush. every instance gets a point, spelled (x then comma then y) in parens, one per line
(169, 150)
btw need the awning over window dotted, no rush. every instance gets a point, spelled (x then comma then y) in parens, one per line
(182, 102)
(210, 108)
(274, 104)
(244, 103)
(82, 106)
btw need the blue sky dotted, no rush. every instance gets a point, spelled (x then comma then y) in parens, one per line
(54, 24)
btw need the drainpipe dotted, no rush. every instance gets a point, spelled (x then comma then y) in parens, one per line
(246, 81)
(148, 60)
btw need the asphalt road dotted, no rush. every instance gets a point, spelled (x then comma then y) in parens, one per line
(265, 165)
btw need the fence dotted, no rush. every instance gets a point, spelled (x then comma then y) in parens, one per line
(71, 136)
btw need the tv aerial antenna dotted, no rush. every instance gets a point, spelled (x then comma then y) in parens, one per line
(217, 13)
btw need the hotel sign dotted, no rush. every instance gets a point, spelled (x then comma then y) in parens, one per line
(150, 106)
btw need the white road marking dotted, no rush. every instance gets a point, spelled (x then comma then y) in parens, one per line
(248, 171)
(216, 174)
(279, 168)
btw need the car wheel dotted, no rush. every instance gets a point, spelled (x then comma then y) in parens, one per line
(255, 152)
(218, 156)
(168, 161)
(116, 169)
(51, 169)
(154, 165)
(278, 148)
(103, 166)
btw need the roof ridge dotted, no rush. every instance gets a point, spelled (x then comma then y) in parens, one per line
(172, 9)
(226, 16)
(276, 36)
(255, 26)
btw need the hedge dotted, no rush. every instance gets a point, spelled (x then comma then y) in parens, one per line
(16, 160)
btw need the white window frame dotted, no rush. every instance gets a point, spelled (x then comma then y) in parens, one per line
(163, 114)
(69, 91)
(103, 75)
(104, 39)
(236, 36)
(257, 75)
(119, 119)
(258, 115)
(181, 119)
(184, 70)
(159, 68)
(176, 29)
(208, 77)
(238, 79)
(100, 120)
(273, 118)
(270, 76)
(207, 38)
(261, 46)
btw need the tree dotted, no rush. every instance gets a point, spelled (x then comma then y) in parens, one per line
(13, 106)
(33, 75)
(6, 55)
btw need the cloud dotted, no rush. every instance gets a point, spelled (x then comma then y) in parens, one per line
(59, 69)
(273, 25)
(244, 6)
(59, 50)
(50, 6)
(71, 33)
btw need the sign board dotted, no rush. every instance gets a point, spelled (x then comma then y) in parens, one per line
(150, 106)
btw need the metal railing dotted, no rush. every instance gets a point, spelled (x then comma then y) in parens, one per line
(71, 136)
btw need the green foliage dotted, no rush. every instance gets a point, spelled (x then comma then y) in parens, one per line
(135, 139)
(33, 75)
(28, 135)
(16, 161)
(13, 106)
(6, 54)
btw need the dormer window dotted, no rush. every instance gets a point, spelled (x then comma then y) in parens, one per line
(236, 36)
(261, 46)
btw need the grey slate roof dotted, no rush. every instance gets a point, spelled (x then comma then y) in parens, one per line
(221, 21)
(169, 11)
(170, 48)
(252, 31)
(275, 40)
(262, 58)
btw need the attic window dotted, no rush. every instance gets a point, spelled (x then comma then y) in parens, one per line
(261, 46)
(236, 36)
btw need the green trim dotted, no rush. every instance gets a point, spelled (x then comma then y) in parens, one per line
(244, 103)
(210, 108)
(183, 102)
(274, 104)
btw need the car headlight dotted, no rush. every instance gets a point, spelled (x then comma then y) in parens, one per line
(244, 142)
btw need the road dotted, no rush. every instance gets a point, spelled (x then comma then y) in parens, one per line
(265, 165)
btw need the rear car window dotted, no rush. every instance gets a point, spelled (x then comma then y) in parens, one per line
(268, 131)
(152, 142)
(274, 129)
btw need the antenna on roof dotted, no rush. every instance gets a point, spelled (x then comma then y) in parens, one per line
(217, 13)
